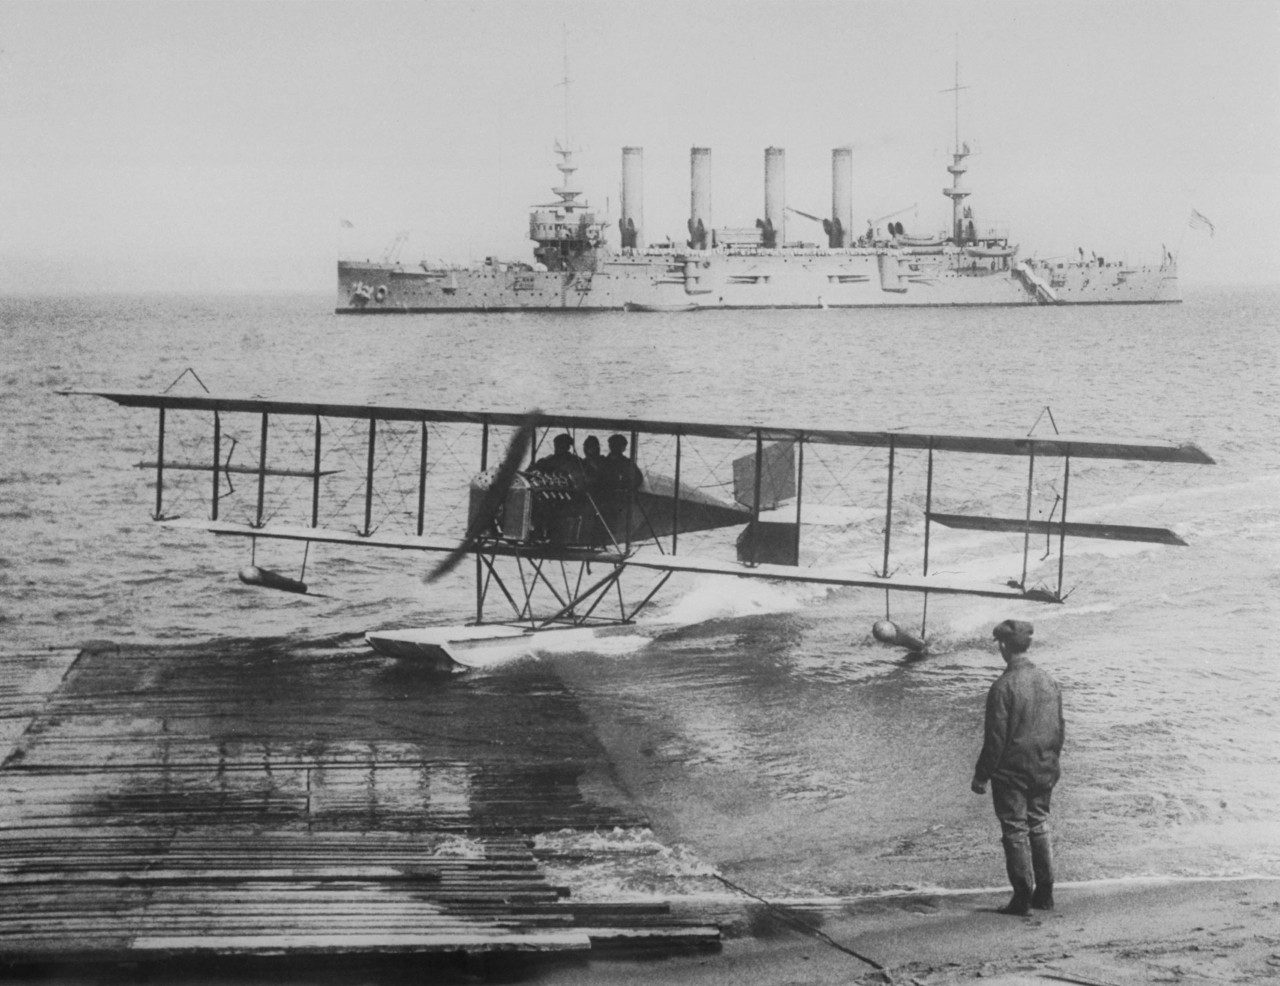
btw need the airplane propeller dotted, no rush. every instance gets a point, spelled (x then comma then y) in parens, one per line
(493, 497)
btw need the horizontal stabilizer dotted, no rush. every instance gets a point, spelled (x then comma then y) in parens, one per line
(242, 470)
(1014, 525)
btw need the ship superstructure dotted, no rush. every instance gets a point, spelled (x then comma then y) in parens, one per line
(576, 268)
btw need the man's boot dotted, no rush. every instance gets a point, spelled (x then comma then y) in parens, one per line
(1017, 862)
(1042, 864)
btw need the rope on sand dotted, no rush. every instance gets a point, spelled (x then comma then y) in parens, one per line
(804, 926)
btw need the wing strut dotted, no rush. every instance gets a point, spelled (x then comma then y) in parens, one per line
(928, 510)
(422, 481)
(888, 512)
(159, 514)
(799, 491)
(675, 502)
(1026, 534)
(755, 497)
(1062, 536)
(315, 481)
(217, 455)
(262, 470)
(368, 480)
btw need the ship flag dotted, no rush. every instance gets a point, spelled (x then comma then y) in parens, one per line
(347, 224)
(1199, 221)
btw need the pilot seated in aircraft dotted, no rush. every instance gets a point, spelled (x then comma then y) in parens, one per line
(562, 461)
(557, 513)
(619, 474)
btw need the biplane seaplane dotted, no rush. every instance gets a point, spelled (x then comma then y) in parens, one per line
(552, 547)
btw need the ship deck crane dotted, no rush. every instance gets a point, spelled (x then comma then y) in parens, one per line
(392, 254)
(874, 224)
(830, 227)
(892, 215)
(801, 212)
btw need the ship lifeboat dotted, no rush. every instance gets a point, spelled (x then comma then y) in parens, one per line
(920, 241)
(990, 251)
(637, 306)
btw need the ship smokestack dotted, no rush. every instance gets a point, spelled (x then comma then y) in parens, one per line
(840, 228)
(775, 198)
(699, 197)
(632, 221)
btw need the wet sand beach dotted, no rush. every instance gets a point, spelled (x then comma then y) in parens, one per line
(1162, 931)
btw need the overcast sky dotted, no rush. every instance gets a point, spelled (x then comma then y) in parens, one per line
(219, 146)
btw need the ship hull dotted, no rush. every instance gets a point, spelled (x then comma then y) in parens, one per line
(853, 278)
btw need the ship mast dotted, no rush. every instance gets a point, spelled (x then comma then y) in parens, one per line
(565, 82)
(566, 191)
(956, 193)
(567, 232)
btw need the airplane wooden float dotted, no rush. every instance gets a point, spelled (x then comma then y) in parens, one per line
(555, 547)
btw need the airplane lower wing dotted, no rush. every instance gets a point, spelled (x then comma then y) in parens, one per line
(402, 542)
(850, 576)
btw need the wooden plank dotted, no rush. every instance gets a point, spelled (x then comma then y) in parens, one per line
(328, 874)
(338, 944)
(161, 800)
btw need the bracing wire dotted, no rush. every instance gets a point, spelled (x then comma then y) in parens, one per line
(805, 927)
(183, 374)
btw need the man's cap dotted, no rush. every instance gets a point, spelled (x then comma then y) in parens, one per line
(617, 441)
(563, 442)
(1017, 632)
(591, 442)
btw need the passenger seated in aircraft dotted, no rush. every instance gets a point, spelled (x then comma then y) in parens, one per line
(618, 478)
(593, 530)
(620, 474)
(592, 460)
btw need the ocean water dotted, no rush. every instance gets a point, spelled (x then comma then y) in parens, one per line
(759, 725)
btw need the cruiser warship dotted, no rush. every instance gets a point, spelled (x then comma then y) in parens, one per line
(576, 267)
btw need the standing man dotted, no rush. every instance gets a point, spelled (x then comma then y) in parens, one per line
(1022, 740)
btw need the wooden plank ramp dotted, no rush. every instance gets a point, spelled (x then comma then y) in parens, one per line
(251, 798)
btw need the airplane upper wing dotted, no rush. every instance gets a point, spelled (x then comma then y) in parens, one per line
(1148, 450)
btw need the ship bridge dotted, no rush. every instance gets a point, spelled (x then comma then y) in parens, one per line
(567, 232)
